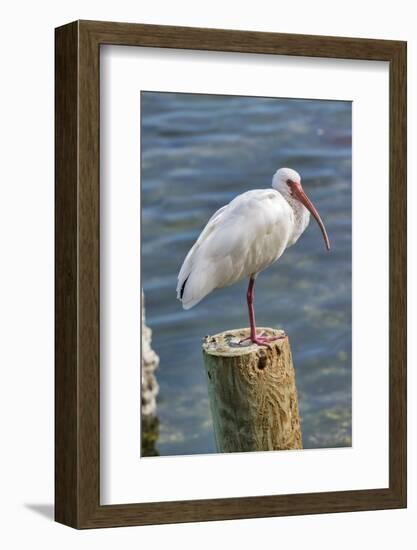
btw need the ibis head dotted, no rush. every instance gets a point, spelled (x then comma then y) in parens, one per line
(288, 183)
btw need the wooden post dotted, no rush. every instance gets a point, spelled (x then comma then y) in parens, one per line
(149, 391)
(252, 392)
(150, 362)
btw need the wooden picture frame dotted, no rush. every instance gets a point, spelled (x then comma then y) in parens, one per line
(77, 374)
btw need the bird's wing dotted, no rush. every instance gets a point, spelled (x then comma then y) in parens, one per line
(190, 258)
(240, 239)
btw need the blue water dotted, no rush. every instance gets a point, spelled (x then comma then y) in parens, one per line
(198, 152)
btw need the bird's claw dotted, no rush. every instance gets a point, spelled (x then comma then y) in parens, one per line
(262, 340)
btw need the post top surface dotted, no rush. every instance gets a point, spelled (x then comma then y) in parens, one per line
(228, 344)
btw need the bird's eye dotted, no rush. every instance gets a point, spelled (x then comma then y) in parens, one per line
(289, 182)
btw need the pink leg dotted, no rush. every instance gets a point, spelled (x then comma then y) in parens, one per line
(259, 340)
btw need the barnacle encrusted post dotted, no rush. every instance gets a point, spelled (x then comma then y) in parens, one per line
(149, 391)
(252, 392)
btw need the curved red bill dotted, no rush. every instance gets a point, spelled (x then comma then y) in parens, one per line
(298, 193)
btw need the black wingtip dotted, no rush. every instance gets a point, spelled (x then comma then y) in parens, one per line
(183, 287)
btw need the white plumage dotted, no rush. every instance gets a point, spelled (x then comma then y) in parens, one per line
(245, 237)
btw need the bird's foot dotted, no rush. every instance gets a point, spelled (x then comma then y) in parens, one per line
(262, 340)
(265, 341)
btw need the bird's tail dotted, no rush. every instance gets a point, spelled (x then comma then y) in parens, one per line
(195, 285)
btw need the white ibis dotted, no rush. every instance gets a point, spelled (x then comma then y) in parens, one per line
(245, 237)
